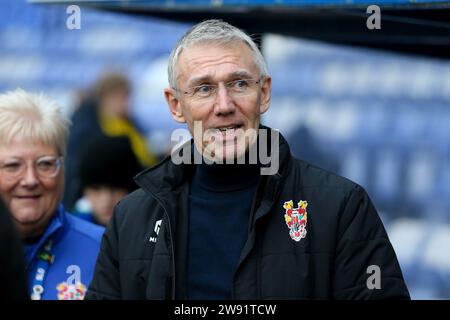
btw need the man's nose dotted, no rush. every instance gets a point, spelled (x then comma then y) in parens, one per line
(224, 104)
(29, 178)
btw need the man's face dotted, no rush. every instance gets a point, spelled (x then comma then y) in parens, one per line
(225, 116)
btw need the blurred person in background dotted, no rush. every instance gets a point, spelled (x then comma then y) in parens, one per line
(107, 168)
(104, 112)
(215, 230)
(12, 265)
(60, 249)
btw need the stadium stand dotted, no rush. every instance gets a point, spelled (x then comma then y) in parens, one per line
(381, 119)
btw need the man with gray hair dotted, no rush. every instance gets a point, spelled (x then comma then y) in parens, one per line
(222, 227)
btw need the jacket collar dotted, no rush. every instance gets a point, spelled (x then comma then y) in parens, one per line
(167, 177)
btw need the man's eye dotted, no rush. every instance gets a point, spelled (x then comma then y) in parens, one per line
(204, 89)
(240, 84)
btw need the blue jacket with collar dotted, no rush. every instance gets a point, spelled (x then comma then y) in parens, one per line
(76, 244)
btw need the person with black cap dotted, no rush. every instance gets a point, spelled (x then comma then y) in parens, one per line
(106, 111)
(107, 168)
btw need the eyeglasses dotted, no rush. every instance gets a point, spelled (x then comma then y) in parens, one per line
(236, 88)
(45, 167)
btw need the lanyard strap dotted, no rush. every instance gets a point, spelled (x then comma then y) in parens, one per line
(45, 258)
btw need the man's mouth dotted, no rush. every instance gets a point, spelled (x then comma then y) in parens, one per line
(229, 128)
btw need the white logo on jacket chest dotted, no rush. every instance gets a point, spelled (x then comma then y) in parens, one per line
(156, 229)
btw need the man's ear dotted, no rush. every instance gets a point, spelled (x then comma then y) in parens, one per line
(174, 105)
(266, 94)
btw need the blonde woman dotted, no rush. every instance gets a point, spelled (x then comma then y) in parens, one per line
(60, 250)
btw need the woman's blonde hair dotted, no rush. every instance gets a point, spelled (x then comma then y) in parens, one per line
(32, 117)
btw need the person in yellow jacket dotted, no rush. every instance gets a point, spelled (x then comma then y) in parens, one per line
(113, 114)
(115, 126)
(105, 113)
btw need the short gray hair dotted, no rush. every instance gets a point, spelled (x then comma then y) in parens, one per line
(32, 117)
(213, 31)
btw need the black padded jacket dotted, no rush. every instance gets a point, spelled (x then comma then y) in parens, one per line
(336, 251)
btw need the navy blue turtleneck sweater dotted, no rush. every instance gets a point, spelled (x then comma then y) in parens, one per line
(220, 197)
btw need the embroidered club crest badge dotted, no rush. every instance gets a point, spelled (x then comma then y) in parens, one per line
(296, 219)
